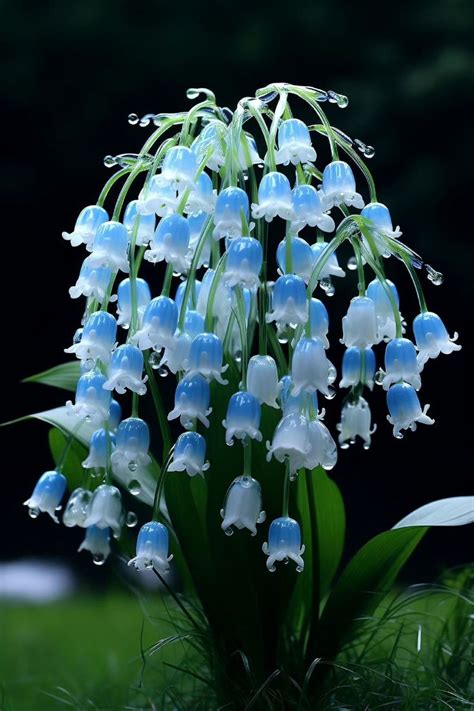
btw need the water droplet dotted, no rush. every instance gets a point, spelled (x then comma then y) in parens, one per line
(369, 152)
(98, 559)
(399, 436)
(352, 264)
(339, 99)
(344, 445)
(331, 394)
(87, 418)
(133, 119)
(154, 360)
(33, 512)
(131, 519)
(435, 277)
(332, 96)
(77, 336)
(88, 364)
(192, 94)
(230, 443)
(109, 161)
(134, 487)
(149, 565)
(229, 532)
(379, 376)
(366, 446)
(132, 465)
(299, 569)
(327, 286)
(162, 372)
(282, 339)
(342, 101)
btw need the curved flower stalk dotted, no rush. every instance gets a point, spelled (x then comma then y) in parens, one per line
(230, 230)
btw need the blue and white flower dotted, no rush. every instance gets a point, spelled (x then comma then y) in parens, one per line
(191, 401)
(284, 543)
(205, 357)
(171, 243)
(308, 209)
(319, 321)
(110, 248)
(92, 401)
(339, 186)
(290, 441)
(231, 205)
(310, 367)
(101, 446)
(87, 224)
(124, 301)
(93, 281)
(159, 323)
(126, 370)
(405, 409)
(243, 418)
(274, 198)
(202, 198)
(294, 143)
(401, 363)
(243, 506)
(323, 450)
(152, 548)
(384, 307)
(179, 169)
(189, 454)
(157, 199)
(47, 495)
(131, 447)
(331, 266)
(289, 305)
(77, 507)
(142, 225)
(98, 338)
(358, 366)
(244, 262)
(382, 226)
(97, 542)
(432, 338)
(300, 257)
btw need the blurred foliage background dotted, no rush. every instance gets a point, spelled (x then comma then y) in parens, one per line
(72, 71)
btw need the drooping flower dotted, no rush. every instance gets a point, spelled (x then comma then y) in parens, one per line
(382, 226)
(294, 143)
(152, 548)
(300, 260)
(359, 326)
(202, 198)
(308, 210)
(131, 446)
(157, 199)
(284, 543)
(243, 417)
(296, 404)
(384, 307)
(124, 301)
(92, 400)
(179, 168)
(110, 247)
(47, 495)
(243, 506)
(232, 203)
(339, 187)
(262, 379)
(323, 450)
(274, 198)
(205, 357)
(192, 400)
(289, 302)
(290, 441)
(244, 262)
(159, 324)
(358, 366)
(331, 266)
(92, 282)
(319, 321)
(170, 243)
(101, 446)
(97, 542)
(126, 370)
(76, 509)
(401, 363)
(189, 454)
(197, 225)
(432, 338)
(143, 226)
(87, 224)
(98, 338)
(405, 409)
(355, 422)
(106, 509)
(310, 367)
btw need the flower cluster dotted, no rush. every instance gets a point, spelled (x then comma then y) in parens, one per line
(215, 204)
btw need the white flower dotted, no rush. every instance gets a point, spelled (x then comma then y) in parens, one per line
(359, 326)
(106, 509)
(355, 421)
(242, 507)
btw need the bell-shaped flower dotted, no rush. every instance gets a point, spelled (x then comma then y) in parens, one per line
(157, 199)
(98, 338)
(248, 156)
(358, 366)
(92, 400)
(359, 325)
(323, 450)
(106, 509)
(191, 401)
(308, 209)
(384, 308)
(401, 363)
(124, 301)
(382, 225)
(77, 507)
(274, 198)
(290, 441)
(205, 357)
(115, 415)
(310, 367)
(196, 226)
(262, 380)
(202, 198)
(152, 548)
(289, 302)
(294, 143)
(110, 248)
(211, 142)
(339, 187)
(131, 446)
(405, 409)
(355, 421)
(101, 446)
(301, 258)
(319, 321)
(87, 224)
(92, 282)
(170, 243)
(193, 294)
(243, 506)
(159, 324)
(142, 225)
(243, 418)
(284, 543)
(231, 204)
(432, 338)
(176, 354)
(222, 305)
(126, 370)
(244, 262)
(292, 404)
(331, 267)
(189, 454)
(47, 495)
(179, 168)
(97, 542)
(193, 323)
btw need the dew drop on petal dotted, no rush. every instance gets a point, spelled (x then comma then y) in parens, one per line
(134, 487)
(109, 161)
(131, 519)
(352, 264)
(434, 276)
(34, 512)
(229, 532)
(77, 336)
(133, 119)
(162, 372)
(154, 360)
(98, 559)
(379, 376)
(132, 465)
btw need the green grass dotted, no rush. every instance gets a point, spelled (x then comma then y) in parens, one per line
(83, 653)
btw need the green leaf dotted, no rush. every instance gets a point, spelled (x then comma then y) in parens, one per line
(72, 467)
(331, 525)
(368, 575)
(64, 376)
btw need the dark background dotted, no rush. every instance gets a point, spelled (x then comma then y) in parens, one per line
(72, 71)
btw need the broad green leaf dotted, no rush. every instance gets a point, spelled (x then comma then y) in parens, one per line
(456, 511)
(368, 575)
(64, 376)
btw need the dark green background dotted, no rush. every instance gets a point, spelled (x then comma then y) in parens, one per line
(70, 74)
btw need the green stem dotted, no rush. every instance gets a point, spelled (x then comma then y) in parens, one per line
(270, 159)
(416, 283)
(212, 294)
(286, 490)
(331, 136)
(360, 267)
(247, 447)
(241, 321)
(110, 183)
(165, 291)
(159, 409)
(160, 485)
